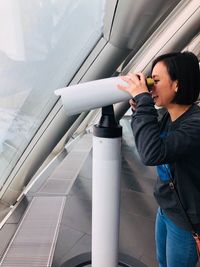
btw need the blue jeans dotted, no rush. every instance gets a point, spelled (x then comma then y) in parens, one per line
(175, 247)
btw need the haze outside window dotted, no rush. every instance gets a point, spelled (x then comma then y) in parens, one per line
(43, 43)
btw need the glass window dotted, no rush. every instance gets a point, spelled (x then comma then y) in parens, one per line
(43, 43)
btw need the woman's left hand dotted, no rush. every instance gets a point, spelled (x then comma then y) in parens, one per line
(136, 84)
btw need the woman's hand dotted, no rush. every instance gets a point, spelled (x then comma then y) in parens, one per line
(136, 84)
(132, 104)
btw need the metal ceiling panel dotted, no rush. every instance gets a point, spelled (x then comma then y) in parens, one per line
(135, 21)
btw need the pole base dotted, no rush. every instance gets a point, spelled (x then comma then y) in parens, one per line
(84, 260)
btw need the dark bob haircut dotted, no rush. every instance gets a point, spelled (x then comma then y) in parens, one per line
(183, 67)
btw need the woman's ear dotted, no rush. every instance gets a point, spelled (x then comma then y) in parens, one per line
(176, 86)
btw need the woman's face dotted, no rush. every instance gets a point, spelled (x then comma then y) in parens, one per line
(164, 89)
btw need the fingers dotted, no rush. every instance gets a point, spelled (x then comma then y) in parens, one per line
(142, 77)
(135, 78)
(135, 84)
(131, 80)
(124, 87)
(132, 104)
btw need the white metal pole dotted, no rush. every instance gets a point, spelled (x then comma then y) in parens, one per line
(105, 201)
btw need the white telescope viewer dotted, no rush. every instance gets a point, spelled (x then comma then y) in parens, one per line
(106, 162)
(91, 95)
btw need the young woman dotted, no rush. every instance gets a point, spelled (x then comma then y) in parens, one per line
(173, 146)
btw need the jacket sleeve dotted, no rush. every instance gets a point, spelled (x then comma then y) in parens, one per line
(155, 149)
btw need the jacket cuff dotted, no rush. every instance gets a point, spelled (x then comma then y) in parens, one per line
(144, 98)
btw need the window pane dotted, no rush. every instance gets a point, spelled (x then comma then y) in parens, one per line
(43, 43)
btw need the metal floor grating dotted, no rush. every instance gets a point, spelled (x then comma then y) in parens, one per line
(35, 238)
(34, 242)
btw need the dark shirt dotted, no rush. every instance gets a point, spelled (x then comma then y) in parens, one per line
(174, 146)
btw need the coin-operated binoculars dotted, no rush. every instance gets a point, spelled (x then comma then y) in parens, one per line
(107, 135)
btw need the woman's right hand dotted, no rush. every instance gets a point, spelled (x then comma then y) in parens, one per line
(132, 104)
